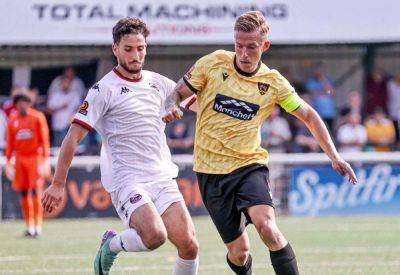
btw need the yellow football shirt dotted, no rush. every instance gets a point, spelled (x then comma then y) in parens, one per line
(231, 107)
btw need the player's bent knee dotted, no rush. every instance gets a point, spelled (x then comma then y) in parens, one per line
(239, 254)
(154, 239)
(190, 249)
(269, 232)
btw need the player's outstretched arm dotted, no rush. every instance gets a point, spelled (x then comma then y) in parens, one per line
(181, 92)
(318, 129)
(53, 195)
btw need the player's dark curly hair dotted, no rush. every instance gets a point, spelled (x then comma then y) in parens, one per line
(129, 25)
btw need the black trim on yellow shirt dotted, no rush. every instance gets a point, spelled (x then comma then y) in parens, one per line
(243, 72)
(194, 90)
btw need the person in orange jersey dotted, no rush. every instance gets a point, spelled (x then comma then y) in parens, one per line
(28, 144)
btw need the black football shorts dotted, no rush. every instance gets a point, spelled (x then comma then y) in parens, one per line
(227, 197)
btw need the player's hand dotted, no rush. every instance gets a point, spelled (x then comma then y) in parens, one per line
(52, 197)
(344, 168)
(173, 114)
(9, 171)
(45, 169)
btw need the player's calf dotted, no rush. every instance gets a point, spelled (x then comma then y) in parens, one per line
(282, 255)
(238, 257)
(284, 261)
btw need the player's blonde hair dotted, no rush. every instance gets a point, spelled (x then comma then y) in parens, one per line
(250, 21)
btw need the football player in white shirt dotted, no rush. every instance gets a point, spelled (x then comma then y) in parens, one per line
(126, 107)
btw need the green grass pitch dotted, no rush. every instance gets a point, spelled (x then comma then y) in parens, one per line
(335, 245)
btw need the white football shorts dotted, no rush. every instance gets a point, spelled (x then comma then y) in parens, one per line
(130, 197)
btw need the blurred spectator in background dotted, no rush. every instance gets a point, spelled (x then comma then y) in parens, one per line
(353, 106)
(180, 138)
(352, 136)
(304, 141)
(76, 84)
(320, 86)
(28, 144)
(297, 85)
(394, 102)
(63, 101)
(275, 133)
(376, 91)
(3, 131)
(380, 131)
(8, 105)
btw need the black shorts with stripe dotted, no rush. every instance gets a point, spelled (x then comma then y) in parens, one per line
(227, 197)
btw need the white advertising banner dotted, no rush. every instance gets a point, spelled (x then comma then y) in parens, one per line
(69, 22)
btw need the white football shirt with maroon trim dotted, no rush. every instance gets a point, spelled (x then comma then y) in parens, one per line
(127, 114)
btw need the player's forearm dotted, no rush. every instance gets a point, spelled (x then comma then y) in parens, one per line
(321, 134)
(67, 152)
(182, 91)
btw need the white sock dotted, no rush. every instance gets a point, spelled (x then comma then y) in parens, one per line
(129, 241)
(31, 229)
(185, 267)
(38, 229)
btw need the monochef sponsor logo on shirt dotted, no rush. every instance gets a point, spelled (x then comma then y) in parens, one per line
(235, 108)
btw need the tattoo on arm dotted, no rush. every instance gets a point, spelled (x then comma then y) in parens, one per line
(178, 95)
(178, 90)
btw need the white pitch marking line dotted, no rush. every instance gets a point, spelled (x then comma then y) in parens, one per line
(205, 267)
(165, 255)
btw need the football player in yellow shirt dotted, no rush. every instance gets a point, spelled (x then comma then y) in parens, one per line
(234, 93)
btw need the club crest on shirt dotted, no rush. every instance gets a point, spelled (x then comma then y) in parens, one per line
(135, 198)
(23, 134)
(125, 90)
(263, 88)
(83, 108)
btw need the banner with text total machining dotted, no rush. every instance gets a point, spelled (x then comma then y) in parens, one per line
(321, 191)
(179, 22)
(85, 196)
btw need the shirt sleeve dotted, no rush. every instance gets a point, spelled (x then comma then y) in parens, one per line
(287, 97)
(93, 107)
(170, 95)
(196, 77)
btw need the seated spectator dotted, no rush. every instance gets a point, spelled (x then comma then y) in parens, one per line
(393, 102)
(380, 131)
(353, 106)
(304, 141)
(62, 104)
(352, 136)
(320, 86)
(275, 132)
(180, 138)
